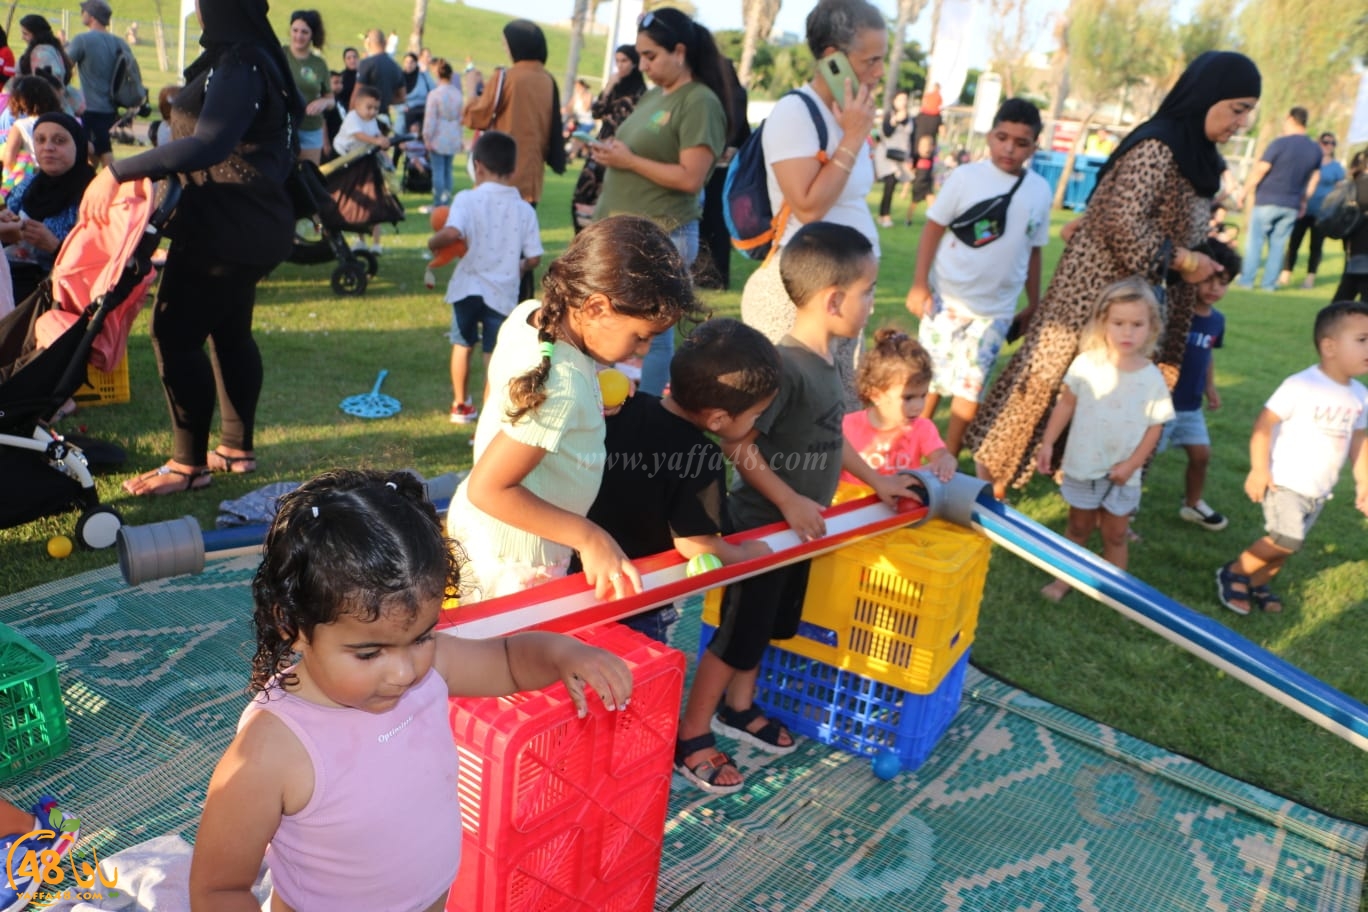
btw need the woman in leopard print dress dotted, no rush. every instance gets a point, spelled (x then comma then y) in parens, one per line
(1157, 186)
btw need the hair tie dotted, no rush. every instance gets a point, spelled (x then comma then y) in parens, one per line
(547, 349)
(315, 511)
(392, 486)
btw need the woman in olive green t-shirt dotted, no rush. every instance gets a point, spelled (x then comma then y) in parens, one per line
(310, 72)
(661, 156)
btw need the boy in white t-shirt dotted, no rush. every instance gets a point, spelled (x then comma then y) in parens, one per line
(361, 127)
(974, 259)
(502, 242)
(1309, 427)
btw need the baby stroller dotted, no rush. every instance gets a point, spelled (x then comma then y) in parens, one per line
(350, 194)
(84, 308)
(417, 168)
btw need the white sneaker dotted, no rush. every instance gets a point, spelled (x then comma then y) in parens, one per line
(1203, 516)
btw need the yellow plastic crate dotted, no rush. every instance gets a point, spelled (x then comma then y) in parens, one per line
(900, 608)
(105, 388)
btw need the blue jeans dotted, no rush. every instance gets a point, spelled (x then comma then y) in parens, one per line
(655, 367)
(441, 178)
(1274, 224)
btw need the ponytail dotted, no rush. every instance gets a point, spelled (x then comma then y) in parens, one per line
(527, 392)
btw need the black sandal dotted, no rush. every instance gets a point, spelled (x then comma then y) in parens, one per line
(734, 724)
(233, 465)
(704, 775)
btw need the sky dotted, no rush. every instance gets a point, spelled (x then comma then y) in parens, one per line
(726, 14)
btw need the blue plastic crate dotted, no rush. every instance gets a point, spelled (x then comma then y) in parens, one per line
(850, 712)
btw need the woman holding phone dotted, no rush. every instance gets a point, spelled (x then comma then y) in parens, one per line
(657, 162)
(849, 39)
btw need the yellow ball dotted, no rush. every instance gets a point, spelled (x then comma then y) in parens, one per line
(59, 546)
(614, 387)
(702, 563)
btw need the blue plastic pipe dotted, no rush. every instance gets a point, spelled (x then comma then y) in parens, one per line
(1213, 642)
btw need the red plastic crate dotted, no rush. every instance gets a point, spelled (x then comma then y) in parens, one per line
(562, 813)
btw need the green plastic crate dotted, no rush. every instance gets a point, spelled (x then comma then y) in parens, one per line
(31, 713)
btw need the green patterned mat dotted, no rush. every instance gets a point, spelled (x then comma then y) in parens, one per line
(1023, 806)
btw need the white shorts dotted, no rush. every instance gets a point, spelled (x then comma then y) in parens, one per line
(963, 349)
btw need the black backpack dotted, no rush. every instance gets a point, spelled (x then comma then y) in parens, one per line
(125, 83)
(1340, 214)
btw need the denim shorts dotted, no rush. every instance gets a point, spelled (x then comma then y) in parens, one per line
(472, 320)
(311, 139)
(1100, 494)
(1289, 516)
(1186, 429)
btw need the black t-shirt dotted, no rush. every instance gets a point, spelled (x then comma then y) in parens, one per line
(663, 479)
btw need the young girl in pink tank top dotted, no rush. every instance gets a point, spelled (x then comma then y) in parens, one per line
(343, 772)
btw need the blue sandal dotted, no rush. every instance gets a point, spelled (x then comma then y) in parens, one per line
(1226, 581)
(736, 723)
(1265, 599)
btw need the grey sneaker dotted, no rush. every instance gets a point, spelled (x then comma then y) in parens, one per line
(1204, 516)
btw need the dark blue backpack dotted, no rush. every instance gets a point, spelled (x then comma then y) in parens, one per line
(754, 227)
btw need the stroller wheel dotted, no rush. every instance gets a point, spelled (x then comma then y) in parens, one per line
(370, 259)
(98, 527)
(349, 279)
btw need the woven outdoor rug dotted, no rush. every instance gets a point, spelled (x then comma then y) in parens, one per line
(1022, 806)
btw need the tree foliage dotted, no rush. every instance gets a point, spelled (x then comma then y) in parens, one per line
(1302, 47)
(1116, 45)
(1014, 32)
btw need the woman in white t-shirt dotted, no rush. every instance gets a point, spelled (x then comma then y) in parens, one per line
(832, 188)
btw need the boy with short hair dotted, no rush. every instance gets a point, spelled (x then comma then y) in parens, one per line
(1310, 426)
(1197, 378)
(361, 127)
(664, 481)
(968, 277)
(787, 469)
(503, 241)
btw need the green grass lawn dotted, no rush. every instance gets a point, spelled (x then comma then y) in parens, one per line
(319, 348)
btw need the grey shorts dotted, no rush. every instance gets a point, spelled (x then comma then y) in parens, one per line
(1100, 494)
(1186, 429)
(1289, 516)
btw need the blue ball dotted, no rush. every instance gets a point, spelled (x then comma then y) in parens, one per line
(886, 765)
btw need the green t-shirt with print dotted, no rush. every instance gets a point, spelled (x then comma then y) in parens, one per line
(659, 128)
(311, 78)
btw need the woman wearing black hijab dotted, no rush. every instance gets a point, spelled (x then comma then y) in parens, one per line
(1156, 187)
(617, 100)
(42, 210)
(233, 144)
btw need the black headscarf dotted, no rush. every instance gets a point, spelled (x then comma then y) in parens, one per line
(48, 195)
(1180, 122)
(230, 24)
(633, 85)
(525, 40)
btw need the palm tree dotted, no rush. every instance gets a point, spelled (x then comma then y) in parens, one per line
(759, 16)
(415, 42)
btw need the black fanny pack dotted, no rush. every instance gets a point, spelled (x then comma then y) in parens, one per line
(986, 221)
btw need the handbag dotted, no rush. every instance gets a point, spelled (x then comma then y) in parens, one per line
(493, 116)
(895, 155)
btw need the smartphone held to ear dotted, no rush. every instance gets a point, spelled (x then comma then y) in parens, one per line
(836, 70)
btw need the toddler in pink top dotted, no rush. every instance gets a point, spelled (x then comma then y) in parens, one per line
(892, 381)
(343, 770)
